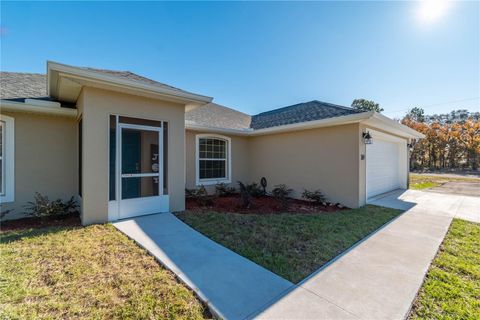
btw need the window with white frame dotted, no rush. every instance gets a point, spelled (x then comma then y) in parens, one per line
(213, 159)
(6, 158)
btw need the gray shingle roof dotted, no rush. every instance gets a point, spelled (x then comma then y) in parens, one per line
(130, 76)
(18, 86)
(214, 115)
(302, 112)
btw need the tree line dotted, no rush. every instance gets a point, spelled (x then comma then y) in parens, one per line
(452, 140)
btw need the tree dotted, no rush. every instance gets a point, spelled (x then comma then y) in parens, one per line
(366, 105)
(416, 114)
(452, 140)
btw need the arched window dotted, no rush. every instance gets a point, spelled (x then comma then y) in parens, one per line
(213, 159)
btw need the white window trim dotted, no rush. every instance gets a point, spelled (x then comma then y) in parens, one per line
(8, 159)
(206, 182)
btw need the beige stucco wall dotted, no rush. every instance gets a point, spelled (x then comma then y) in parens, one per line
(96, 105)
(240, 159)
(45, 159)
(324, 158)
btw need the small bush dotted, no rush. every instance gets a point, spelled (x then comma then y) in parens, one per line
(196, 193)
(245, 194)
(200, 195)
(282, 194)
(255, 190)
(223, 190)
(315, 197)
(43, 207)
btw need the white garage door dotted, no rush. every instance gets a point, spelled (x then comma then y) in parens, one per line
(386, 166)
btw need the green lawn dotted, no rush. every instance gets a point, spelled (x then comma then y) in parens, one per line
(423, 181)
(86, 273)
(290, 245)
(451, 289)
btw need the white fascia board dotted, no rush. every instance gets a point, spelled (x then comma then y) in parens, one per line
(382, 122)
(53, 67)
(14, 106)
(370, 118)
(352, 118)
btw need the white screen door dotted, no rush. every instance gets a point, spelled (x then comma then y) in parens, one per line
(140, 170)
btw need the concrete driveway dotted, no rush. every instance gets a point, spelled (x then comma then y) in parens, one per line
(380, 277)
(377, 279)
(459, 188)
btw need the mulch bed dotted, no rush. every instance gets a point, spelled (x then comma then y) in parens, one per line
(260, 205)
(68, 220)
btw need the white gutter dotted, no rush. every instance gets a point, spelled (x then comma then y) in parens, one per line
(352, 118)
(370, 118)
(14, 106)
(93, 75)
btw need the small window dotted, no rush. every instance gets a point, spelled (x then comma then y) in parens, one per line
(7, 159)
(213, 165)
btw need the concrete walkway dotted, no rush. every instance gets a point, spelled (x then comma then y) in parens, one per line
(379, 278)
(233, 286)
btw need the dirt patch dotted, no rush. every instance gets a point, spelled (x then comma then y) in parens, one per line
(68, 220)
(260, 205)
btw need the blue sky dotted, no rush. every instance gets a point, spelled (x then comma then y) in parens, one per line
(258, 56)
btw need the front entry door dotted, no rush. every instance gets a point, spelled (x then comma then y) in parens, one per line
(140, 171)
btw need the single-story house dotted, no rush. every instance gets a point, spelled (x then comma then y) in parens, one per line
(126, 145)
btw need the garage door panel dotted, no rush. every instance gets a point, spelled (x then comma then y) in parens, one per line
(382, 167)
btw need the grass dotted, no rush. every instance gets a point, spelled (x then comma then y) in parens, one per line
(424, 185)
(290, 245)
(451, 289)
(93, 272)
(423, 181)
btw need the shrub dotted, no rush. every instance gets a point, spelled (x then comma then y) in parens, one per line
(200, 195)
(255, 190)
(282, 193)
(43, 207)
(315, 197)
(223, 190)
(196, 193)
(245, 194)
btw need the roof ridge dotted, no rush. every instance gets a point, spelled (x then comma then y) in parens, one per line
(336, 105)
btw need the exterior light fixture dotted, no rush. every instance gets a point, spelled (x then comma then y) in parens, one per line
(367, 138)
